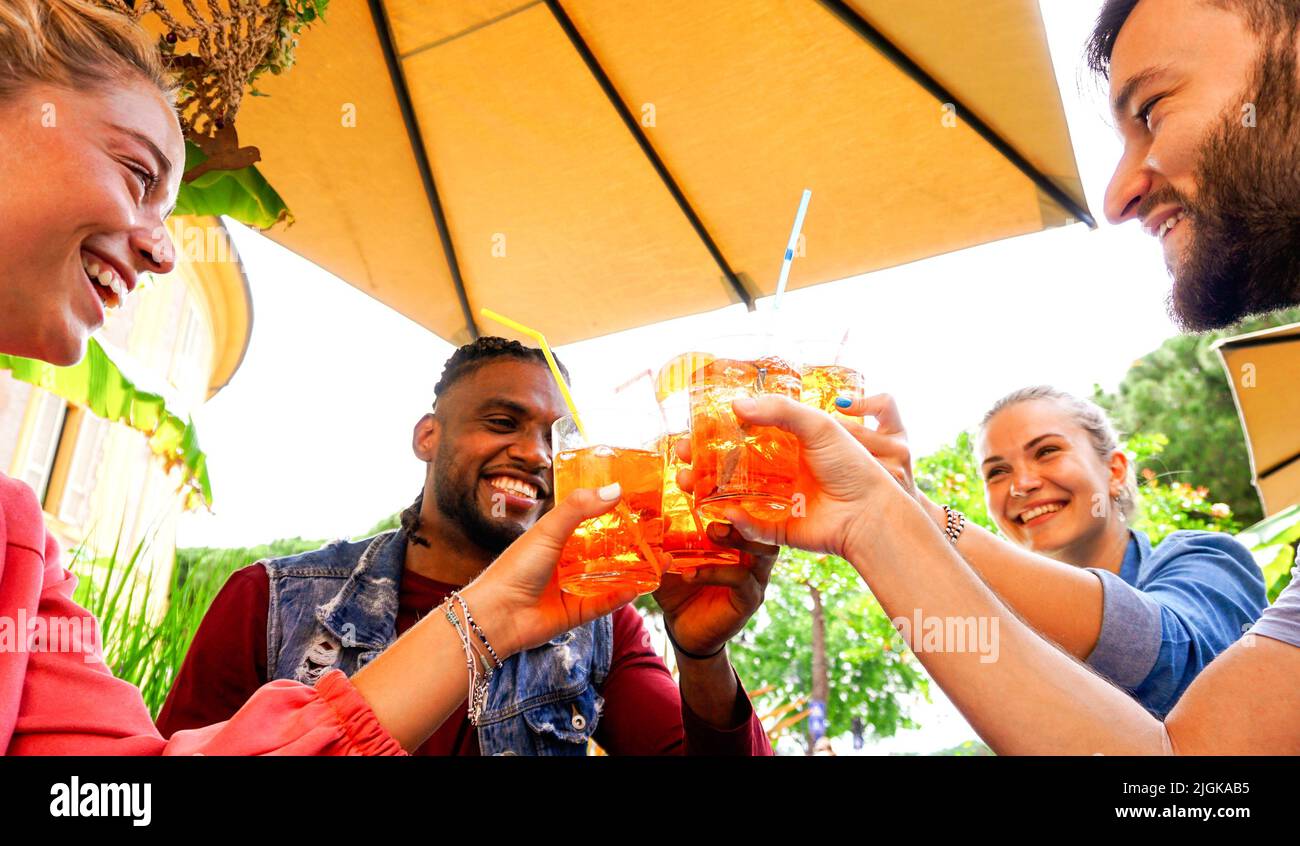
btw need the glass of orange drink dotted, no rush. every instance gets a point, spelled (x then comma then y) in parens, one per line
(622, 547)
(739, 464)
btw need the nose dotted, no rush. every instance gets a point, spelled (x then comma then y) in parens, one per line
(532, 448)
(1024, 483)
(154, 250)
(1130, 184)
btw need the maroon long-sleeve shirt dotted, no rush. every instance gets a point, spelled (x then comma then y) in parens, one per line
(644, 713)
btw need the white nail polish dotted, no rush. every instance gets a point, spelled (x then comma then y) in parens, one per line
(609, 493)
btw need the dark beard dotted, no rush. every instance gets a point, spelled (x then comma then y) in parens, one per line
(1243, 257)
(461, 507)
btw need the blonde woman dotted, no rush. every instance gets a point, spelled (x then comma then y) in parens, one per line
(91, 155)
(1062, 492)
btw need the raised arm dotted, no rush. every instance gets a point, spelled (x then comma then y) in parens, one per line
(1032, 698)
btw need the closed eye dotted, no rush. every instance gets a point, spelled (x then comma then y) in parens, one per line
(1047, 450)
(148, 179)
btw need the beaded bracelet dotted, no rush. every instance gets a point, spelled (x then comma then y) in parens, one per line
(955, 524)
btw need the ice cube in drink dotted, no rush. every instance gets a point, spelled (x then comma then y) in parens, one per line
(753, 467)
(822, 384)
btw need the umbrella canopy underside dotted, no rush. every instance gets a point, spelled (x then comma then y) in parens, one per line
(584, 209)
(1264, 369)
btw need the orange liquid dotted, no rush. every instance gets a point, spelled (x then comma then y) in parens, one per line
(606, 554)
(824, 383)
(753, 467)
(685, 540)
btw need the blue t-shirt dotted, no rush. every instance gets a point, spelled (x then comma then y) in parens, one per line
(1171, 610)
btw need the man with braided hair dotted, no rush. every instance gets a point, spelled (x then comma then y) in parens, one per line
(487, 453)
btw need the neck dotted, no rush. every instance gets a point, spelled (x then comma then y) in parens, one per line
(450, 557)
(1105, 551)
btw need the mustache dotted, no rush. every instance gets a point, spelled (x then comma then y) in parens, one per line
(1163, 196)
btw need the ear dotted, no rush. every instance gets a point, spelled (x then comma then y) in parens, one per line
(1118, 472)
(424, 439)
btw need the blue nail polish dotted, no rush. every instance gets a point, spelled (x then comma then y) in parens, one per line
(843, 402)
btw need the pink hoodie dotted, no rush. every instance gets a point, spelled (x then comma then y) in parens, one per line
(68, 703)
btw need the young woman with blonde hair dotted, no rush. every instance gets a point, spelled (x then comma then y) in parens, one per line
(91, 156)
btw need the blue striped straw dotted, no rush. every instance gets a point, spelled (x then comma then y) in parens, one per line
(790, 247)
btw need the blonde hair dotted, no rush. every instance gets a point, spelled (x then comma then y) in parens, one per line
(1087, 416)
(73, 44)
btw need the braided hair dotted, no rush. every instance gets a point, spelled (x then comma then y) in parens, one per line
(464, 361)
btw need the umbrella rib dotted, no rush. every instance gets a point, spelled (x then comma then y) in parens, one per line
(1281, 465)
(383, 29)
(854, 21)
(630, 121)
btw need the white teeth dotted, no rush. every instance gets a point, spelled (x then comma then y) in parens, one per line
(1039, 512)
(507, 483)
(1171, 223)
(106, 277)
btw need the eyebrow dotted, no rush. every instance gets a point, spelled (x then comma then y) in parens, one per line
(506, 404)
(1028, 447)
(1120, 105)
(164, 163)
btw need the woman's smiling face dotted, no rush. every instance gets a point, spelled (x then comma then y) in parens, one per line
(1047, 488)
(89, 178)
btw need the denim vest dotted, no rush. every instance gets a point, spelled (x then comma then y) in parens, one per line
(336, 608)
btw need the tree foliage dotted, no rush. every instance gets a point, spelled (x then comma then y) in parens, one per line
(871, 674)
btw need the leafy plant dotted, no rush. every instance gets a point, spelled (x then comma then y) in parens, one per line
(1273, 543)
(242, 194)
(869, 674)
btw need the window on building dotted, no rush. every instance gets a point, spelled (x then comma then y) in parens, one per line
(43, 443)
(83, 472)
(191, 349)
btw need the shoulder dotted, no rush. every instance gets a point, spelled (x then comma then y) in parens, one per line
(1213, 545)
(1200, 552)
(21, 521)
(337, 558)
(629, 629)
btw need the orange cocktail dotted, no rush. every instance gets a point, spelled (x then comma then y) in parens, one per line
(753, 467)
(617, 549)
(685, 537)
(823, 384)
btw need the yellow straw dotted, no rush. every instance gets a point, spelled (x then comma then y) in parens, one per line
(573, 409)
(550, 361)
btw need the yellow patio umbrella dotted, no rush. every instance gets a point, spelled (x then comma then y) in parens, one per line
(1264, 369)
(595, 165)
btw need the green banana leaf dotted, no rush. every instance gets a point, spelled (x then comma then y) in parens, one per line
(1272, 541)
(97, 384)
(242, 194)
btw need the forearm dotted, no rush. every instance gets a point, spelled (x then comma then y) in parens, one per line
(422, 678)
(1061, 601)
(709, 687)
(1027, 697)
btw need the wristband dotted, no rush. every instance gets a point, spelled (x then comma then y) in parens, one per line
(668, 631)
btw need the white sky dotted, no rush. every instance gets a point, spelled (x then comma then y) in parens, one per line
(312, 436)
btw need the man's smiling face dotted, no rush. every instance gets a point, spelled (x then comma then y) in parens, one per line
(1207, 107)
(491, 465)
